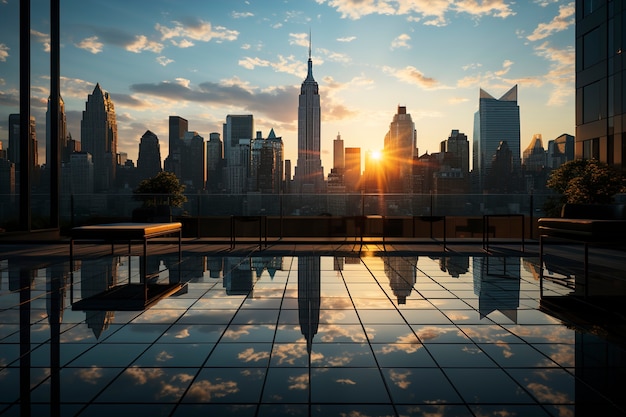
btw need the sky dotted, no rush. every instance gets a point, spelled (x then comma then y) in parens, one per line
(203, 60)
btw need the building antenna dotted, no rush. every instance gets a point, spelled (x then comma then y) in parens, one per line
(309, 42)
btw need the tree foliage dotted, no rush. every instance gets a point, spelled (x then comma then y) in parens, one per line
(586, 181)
(162, 189)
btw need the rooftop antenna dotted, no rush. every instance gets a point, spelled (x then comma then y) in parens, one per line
(309, 43)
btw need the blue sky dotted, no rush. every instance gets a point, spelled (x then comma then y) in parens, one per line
(203, 60)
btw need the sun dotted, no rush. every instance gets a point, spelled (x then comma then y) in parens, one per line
(376, 155)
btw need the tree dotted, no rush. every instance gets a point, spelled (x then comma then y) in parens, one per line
(586, 181)
(162, 189)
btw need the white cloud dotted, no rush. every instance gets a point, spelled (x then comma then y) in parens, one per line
(4, 52)
(561, 22)
(185, 43)
(91, 44)
(401, 42)
(412, 75)
(198, 30)
(301, 39)
(346, 39)
(251, 63)
(141, 43)
(162, 60)
(42, 38)
(241, 15)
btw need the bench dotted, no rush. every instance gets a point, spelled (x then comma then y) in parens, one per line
(125, 232)
(584, 223)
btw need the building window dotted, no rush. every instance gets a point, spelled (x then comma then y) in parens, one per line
(592, 54)
(590, 6)
(594, 102)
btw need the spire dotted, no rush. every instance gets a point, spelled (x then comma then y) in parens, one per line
(309, 76)
(309, 44)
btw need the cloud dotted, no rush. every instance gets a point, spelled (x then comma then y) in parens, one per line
(432, 12)
(141, 43)
(251, 63)
(559, 23)
(4, 52)
(163, 60)
(241, 15)
(401, 42)
(42, 38)
(561, 74)
(412, 75)
(333, 56)
(275, 102)
(90, 44)
(198, 30)
(289, 65)
(346, 39)
(300, 39)
(185, 43)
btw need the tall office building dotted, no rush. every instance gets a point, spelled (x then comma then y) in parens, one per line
(266, 164)
(98, 130)
(496, 121)
(214, 162)
(400, 151)
(149, 158)
(236, 128)
(65, 154)
(193, 169)
(14, 142)
(457, 145)
(600, 71)
(177, 129)
(338, 153)
(535, 155)
(309, 174)
(352, 169)
(560, 150)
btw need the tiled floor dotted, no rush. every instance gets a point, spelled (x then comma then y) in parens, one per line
(306, 334)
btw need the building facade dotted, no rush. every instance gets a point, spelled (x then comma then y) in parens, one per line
(601, 81)
(149, 157)
(309, 174)
(399, 152)
(178, 126)
(98, 132)
(496, 121)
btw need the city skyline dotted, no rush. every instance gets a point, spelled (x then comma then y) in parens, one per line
(205, 62)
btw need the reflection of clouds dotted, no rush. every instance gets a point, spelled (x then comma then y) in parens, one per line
(143, 375)
(184, 333)
(400, 378)
(331, 332)
(236, 334)
(401, 347)
(545, 395)
(90, 375)
(164, 356)
(457, 316)
(345, 381)
(432, 332)
(564, 355)
(299, 382)
(549, 334)
(332, 316)
(169, 389)
(288, 353)
(249, 355)
(205, 390)
(487, 334)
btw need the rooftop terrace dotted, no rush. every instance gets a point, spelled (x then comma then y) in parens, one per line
(316, 328)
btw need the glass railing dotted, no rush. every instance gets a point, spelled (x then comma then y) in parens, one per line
(81, 209)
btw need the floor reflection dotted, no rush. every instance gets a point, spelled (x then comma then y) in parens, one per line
(306, 335)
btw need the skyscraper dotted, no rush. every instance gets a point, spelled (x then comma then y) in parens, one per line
(496, 121)
(98, 133)
(352, 169)
(177, 128)
(600, 93)
(309, 174)
(149, 158)
(65, 154)
(400, 151)
(14, 142)
(214, 162)
(266, 164)
(236, 128)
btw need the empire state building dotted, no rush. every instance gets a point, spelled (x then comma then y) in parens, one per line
(309, 173)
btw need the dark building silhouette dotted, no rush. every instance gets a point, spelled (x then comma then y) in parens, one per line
(149, 157)
(98, 131)
(214, 163)
(400, 151)
(177, 129)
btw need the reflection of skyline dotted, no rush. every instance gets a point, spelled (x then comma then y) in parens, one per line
(97, 276)
(497, 291)
(402, 275)
(309, 297)
(455, 266)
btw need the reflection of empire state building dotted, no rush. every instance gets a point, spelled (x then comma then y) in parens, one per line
(97, 276)
(309, 174)
(309, 297)
(402, 275)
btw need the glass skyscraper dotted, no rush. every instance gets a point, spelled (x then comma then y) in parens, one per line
(496, 121)
(600, 81)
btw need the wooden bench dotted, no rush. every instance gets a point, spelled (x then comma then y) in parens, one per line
(125, 232)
